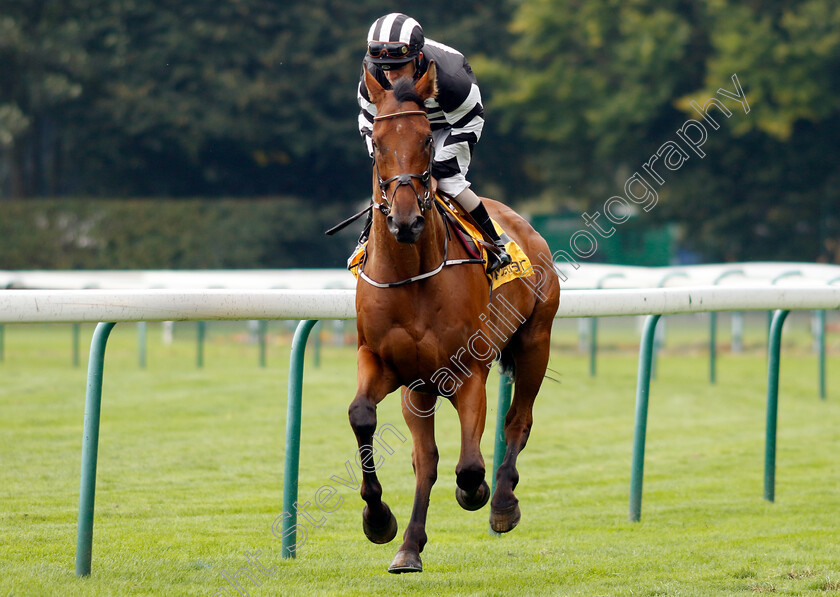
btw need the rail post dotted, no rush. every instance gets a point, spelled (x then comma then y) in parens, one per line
(773, 358)
(821, 351)
(201, 331)
(293, 409)
(659, 340)
(505, 387)
(821, 316)
(737, 344)
(262, 333)
(141, 344)
(76, 334)
(593, 327)
(90, 447)
(713, 328)
(640, 429)
(787, 274)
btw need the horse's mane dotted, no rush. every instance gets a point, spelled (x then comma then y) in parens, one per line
(404, 92)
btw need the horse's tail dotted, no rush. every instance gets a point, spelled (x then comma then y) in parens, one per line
(507, 366)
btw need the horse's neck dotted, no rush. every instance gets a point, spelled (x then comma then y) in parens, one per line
(393, 260)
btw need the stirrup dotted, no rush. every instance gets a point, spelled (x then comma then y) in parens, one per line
(496, 261)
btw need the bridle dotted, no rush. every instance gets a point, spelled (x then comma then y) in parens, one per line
(405, 178)
(425, 202)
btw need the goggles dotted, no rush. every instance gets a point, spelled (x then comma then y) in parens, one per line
(389, 49)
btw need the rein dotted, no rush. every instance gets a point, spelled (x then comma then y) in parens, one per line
(418, 277)
(425, 203)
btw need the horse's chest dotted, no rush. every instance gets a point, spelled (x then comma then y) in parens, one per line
(416, 349)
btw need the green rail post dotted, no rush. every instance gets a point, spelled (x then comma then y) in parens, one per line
(90, 447)
(201, 331)
(713, 327)
(774, 356)
(657, 343)
(293, 409)
(793, 272)
(712, 347)
(640, 429)
(593, 328)
(737, 344)
(505, 387)
(821, 351)
(262, 332)
(316, 346)
(76, 334)
(141, 344)
(822, 316)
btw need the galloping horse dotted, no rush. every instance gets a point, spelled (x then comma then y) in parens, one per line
(434, 330)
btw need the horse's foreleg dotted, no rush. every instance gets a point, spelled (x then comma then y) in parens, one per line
(471, 401)
(374, 383)
(424, 459)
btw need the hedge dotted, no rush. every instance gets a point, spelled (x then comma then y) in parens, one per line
(171, 234)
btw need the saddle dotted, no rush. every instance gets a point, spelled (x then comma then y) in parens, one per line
(471, 238)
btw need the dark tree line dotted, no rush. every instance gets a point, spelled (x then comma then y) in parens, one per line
(240, 98)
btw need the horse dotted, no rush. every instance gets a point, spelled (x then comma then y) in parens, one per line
(428, 323)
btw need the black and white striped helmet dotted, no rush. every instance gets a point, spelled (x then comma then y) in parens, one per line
(394, 39)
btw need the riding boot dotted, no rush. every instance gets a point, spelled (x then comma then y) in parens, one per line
(495, 260)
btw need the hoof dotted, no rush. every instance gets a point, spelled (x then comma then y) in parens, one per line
(406, 561)
(380, 534)
(476, 501)
(504, 520)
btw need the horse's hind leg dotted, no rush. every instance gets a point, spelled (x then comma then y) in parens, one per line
(530, 348)
(374, 383)
(418, 411)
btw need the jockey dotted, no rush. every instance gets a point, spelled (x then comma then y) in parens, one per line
(396, 48)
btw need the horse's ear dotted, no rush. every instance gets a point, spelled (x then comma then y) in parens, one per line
(427, 87)
(375, 91)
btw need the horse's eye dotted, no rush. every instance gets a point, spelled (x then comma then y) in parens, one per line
(428, 141)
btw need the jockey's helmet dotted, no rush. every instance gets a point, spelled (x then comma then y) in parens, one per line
(394, 40)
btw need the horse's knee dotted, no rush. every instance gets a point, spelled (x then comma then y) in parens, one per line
(362, 415)
(426, 463)
(469, 476)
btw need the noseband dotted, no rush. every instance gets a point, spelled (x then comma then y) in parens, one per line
(424, 201)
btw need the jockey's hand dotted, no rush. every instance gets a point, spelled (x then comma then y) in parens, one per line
(433, 186)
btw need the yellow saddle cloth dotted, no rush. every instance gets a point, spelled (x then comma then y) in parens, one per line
(520, 265)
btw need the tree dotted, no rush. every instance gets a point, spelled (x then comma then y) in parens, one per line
(44, 65)
(152, 98)
(596, 86)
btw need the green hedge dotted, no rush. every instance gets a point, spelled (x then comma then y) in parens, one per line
(171, 234)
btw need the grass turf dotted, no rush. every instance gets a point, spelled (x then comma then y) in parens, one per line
(190, 475)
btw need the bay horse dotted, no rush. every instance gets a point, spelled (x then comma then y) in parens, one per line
(433, 331)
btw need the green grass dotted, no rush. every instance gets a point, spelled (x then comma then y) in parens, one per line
(191, 460)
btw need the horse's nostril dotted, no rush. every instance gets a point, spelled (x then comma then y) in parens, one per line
(419, 224)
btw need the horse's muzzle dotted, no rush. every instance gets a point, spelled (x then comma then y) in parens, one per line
(406, 232)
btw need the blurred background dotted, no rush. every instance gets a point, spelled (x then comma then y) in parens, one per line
(153, 134)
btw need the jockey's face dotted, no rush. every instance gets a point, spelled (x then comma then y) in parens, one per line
(406, 70)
